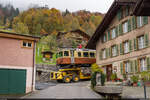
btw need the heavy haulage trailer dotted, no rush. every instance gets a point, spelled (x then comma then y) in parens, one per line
(74, 65)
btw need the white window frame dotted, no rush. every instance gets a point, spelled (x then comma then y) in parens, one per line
(142, 64)
(113, 33)
(104, 38)
(127, 67)
(126, 47)
(104, 53)
(27, 44)
(114, 51)
(141, 42)
(140, 21)
(125, 27)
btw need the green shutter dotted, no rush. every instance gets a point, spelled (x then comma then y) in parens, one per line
(117, 49)
(119, 14)
(110, 52)
(131, 66)
(148, 63)
(108, 35)
(106, 52)
(145, 20)
(116, 29)
(135, 44)
(133, 22)
(130, 45)
(138, 21)
(120, 29)
(129, 25)
(127, 11)
(121, 49)
(121, 67)
(136, 65)
(146, 40)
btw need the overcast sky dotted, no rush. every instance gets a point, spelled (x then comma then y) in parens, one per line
(72, 5)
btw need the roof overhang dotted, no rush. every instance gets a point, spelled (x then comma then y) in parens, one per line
(18, 36)
(116, 5)
(142, 8)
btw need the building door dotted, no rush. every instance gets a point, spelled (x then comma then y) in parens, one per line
(12, 81)
(109, 71)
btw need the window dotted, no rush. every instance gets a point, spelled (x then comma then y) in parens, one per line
(85, 54)
(127, 67)
(104, 53)
(114, 50)
(113, 33)
(104, 38)
(92, 54)
(66, 53)
(126, 47)
(125, 27)
(141, 42)
(79, 54)
(142, 64)
(27, 44)
(139, 21)
(60, 54)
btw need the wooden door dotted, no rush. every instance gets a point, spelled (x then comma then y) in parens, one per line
(109, 72)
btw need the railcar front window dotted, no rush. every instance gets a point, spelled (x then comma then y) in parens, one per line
(66, 53)
(60, 54)
(85, 54)
(79, 54)
(92, 54)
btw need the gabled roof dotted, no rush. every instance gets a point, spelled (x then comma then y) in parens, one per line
(116, 5)
(142, 8)
(18, 36)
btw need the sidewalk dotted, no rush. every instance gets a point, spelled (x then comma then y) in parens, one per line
(135, 92)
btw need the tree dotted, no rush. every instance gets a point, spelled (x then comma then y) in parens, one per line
(21, 28)
(7, 25)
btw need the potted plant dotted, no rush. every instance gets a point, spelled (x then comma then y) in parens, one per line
(113, 77)
(135, 80)
(145, 76)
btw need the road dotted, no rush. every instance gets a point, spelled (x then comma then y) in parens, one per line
(80, 90)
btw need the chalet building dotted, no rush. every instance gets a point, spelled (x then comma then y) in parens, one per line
(122, 40)
(17, 63)
(74, 37)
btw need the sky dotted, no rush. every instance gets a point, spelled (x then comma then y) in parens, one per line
(72, 5)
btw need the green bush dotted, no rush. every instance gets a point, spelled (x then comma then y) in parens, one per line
(145, 76)
(113, 76)
(103, 78)
(135, 79)
(93, 79)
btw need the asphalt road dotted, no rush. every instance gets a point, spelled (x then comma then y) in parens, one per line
(80, 90)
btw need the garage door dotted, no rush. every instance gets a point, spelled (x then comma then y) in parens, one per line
(12, 81)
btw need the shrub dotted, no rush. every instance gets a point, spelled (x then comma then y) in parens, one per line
(145, 76)
(135, 79)
(103, 77)
(93, 79)
(113, 76)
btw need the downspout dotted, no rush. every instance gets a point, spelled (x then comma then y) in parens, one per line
(34, 66)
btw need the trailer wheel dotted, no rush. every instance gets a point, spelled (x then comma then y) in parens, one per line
(75, 78)
(67, 79)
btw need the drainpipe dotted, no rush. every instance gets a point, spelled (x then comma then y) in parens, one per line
(34, 67)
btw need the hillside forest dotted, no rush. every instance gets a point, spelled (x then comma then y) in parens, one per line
(45, 22)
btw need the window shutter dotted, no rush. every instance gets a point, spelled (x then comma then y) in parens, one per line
(133, 22)
(136, 66)
(121, 67)
(121, 50)
(148, 63)
(110, 52)
(106, 52)
(146, 40)
(120, 29)
(135, 44)
(145, 20)
(108, 35)
(130, 45)
(119, 15)
(129, 25)
(117, 49)
(131, 66)
(138, 21)
(116, 29)
(127, 11)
